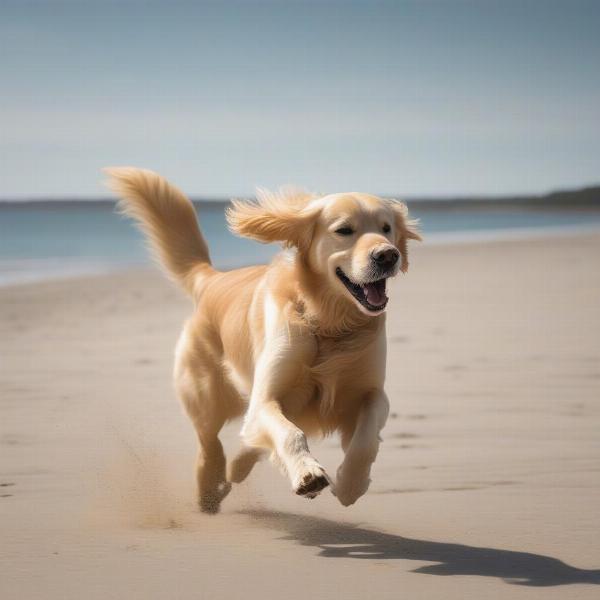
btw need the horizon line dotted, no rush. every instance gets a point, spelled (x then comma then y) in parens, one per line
(480, 196)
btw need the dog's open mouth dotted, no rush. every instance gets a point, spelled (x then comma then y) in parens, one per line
(371, 295)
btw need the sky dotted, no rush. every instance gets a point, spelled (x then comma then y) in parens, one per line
(408, 99)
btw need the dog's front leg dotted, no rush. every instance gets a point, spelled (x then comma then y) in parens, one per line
(361, 445)
(290, 448)
(274, 395)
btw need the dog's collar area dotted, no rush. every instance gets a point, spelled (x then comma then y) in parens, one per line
(370, 295)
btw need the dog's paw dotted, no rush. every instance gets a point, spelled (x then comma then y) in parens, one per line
(210, 500)
(311, 480)
(349, 489)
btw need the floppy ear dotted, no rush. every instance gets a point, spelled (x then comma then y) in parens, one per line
(275, 217)
(406, 229)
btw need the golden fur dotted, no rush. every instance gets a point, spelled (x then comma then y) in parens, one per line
(288, 346)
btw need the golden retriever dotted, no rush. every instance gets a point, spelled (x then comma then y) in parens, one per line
(298, 346)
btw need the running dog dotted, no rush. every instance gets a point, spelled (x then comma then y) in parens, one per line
(296, 347)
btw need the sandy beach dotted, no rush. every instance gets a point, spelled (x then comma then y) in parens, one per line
(487, 484)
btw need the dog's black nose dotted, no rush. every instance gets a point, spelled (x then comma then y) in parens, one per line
(386, 258)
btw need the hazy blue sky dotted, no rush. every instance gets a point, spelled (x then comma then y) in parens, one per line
(407, 98)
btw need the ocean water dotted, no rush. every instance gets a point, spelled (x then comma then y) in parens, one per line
(46, 240)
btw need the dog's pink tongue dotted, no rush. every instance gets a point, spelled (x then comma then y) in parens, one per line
(375, 294)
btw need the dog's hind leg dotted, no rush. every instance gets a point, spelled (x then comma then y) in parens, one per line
(204, 395)
(210, 471)
(239, 468)
(210, 467)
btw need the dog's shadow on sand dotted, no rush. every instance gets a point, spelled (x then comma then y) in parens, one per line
(344, 540)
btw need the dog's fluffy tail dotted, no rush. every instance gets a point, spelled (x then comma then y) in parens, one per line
(168, 219)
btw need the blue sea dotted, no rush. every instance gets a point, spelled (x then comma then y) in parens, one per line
(47, 240)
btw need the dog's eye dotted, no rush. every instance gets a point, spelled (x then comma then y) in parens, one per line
(344, 231)
(386, 228)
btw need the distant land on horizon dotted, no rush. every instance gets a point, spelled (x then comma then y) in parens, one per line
(582, 198)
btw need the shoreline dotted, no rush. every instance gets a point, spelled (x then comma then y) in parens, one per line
(77, 269)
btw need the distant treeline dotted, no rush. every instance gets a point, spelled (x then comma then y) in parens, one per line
(585, 198)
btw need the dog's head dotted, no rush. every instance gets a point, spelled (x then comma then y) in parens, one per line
(354, 241)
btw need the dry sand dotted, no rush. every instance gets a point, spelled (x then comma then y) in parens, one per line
(487, 484)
